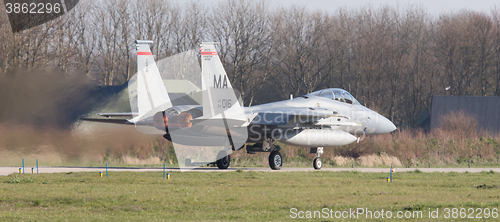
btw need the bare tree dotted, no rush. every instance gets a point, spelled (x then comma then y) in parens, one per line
(242, 28)
(298, 35)
(392, 59)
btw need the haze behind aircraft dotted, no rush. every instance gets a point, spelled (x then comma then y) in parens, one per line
(325, 118)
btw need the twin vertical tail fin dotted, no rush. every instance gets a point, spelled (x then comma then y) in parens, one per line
(152, 95)
(221, 109)
(219, 99)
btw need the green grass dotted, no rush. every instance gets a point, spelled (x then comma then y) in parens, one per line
(234, 196)
(247, 162)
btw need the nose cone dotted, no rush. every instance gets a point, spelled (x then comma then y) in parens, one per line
(385, 126)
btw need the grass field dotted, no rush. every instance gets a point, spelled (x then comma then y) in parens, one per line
(236, 196)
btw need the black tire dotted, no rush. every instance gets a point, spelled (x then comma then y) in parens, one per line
(275, 160)
(224, 162)
(317, 163)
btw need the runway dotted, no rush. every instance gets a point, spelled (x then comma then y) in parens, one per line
(4, 171)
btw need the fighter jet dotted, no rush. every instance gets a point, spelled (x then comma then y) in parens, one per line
(326, 118)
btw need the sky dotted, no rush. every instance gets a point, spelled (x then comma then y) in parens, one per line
(435, 7)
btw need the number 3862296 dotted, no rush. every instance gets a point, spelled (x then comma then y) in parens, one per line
(470, 213)
(33, 8)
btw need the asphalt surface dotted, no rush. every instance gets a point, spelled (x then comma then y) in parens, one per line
(4, 171)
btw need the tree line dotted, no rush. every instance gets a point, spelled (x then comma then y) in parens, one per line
(392, 59)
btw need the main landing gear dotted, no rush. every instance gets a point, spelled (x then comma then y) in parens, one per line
(275, 158)
(317, 164)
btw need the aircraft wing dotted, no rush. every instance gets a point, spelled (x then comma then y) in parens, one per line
(116, 118)
(108, 120)
(124, 115)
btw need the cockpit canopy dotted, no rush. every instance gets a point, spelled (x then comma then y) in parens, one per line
(335, 94)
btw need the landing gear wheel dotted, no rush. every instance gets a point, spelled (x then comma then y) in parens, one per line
(317, 163)
(223, 163)
(275, 160)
